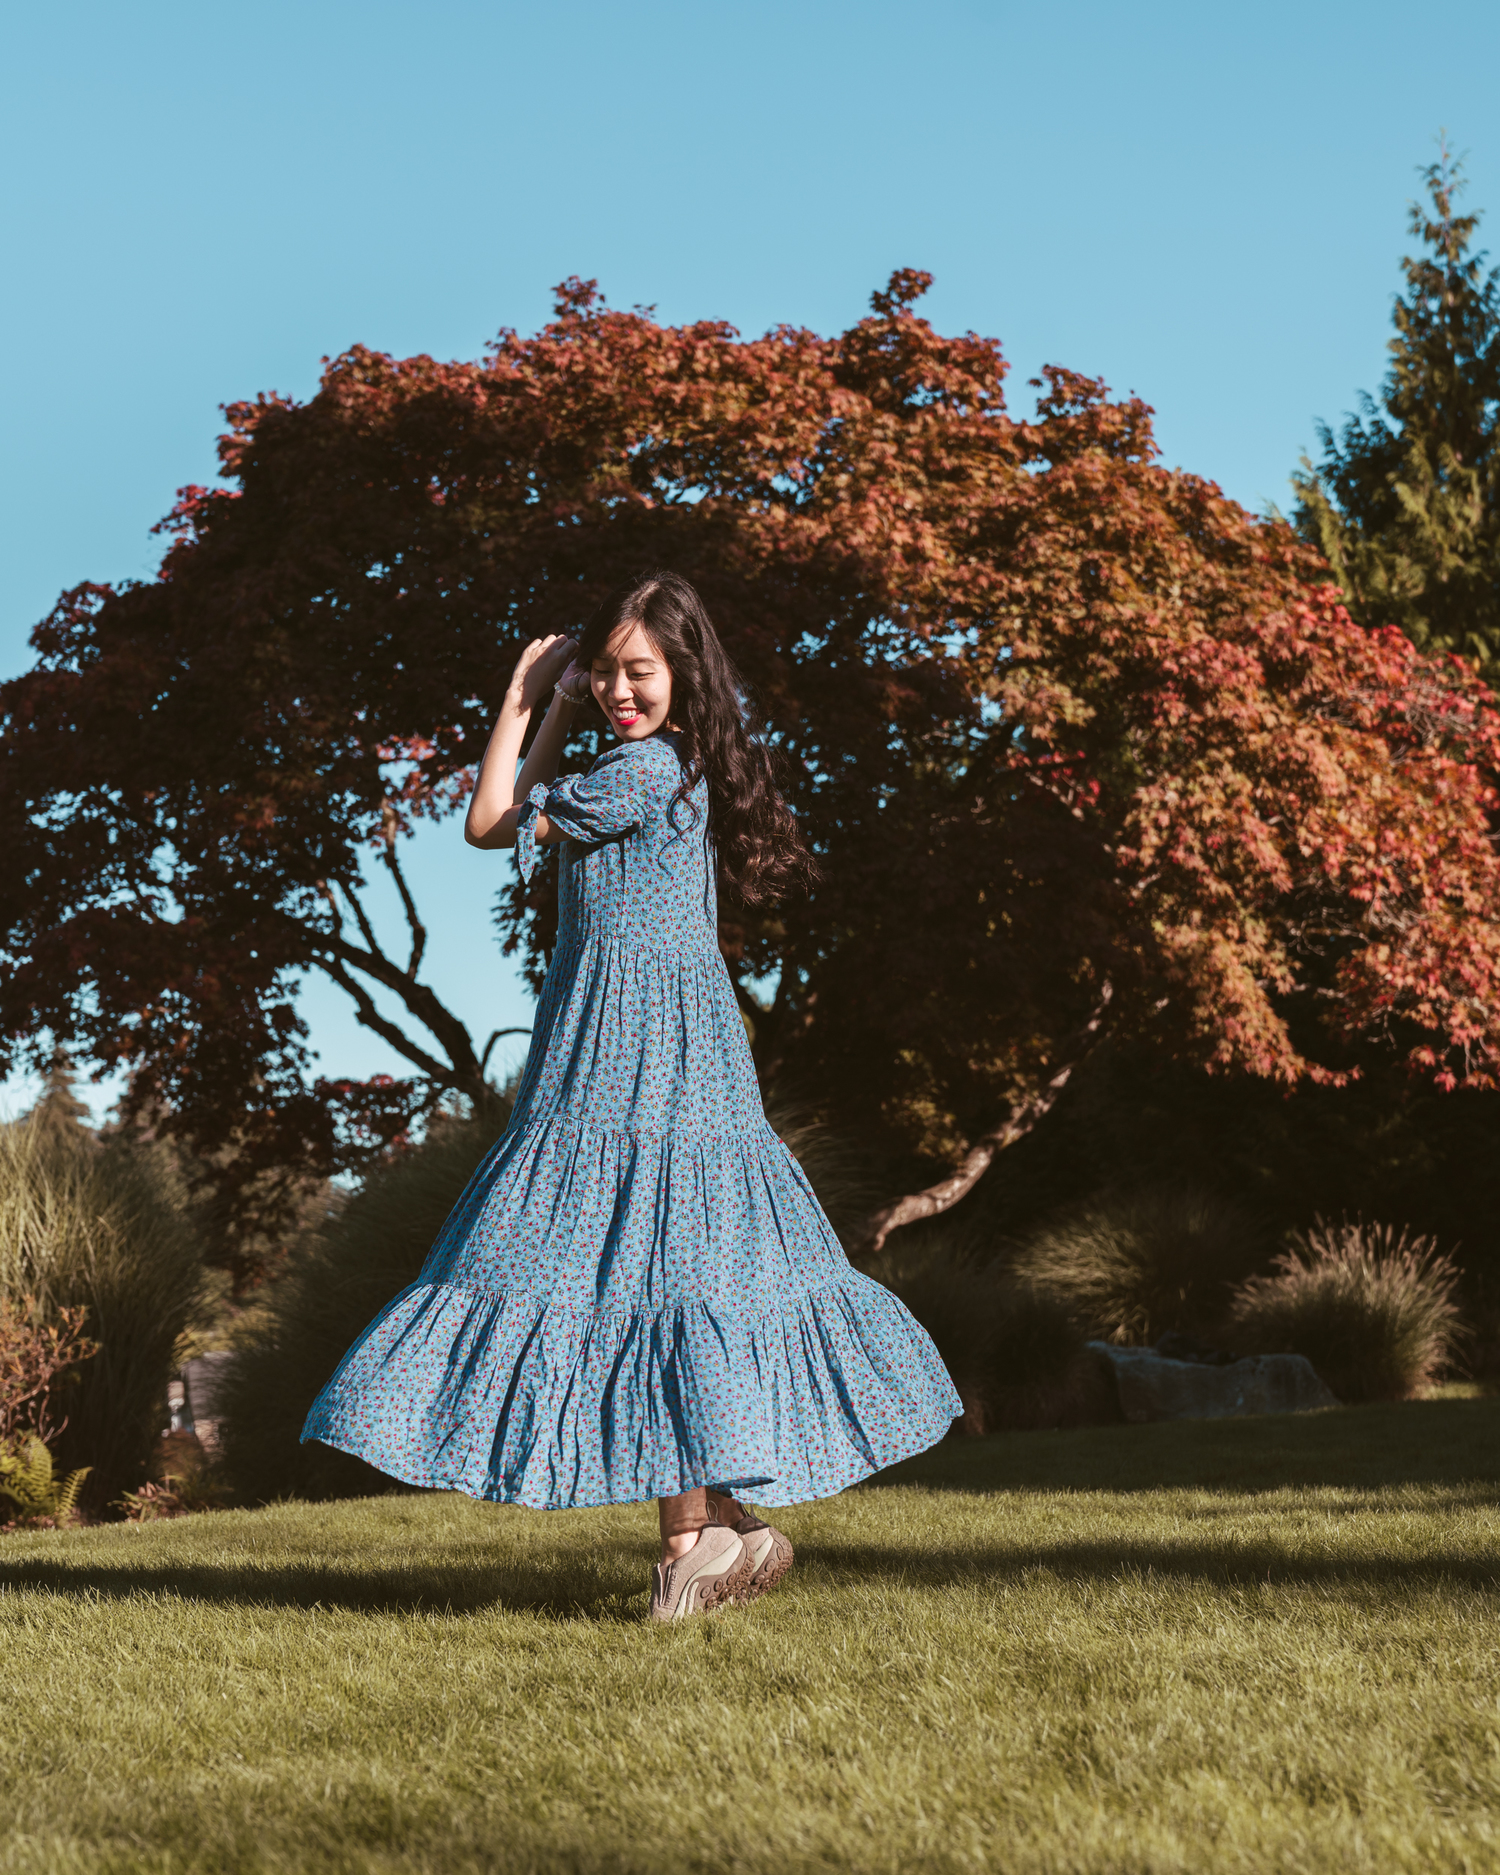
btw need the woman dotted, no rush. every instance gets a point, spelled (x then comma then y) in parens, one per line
(638, 1294)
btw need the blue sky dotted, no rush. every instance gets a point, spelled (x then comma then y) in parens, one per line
(1203, 204)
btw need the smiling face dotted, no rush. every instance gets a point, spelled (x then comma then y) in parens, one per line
(632, 683)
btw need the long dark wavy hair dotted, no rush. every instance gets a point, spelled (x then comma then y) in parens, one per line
(761, 852)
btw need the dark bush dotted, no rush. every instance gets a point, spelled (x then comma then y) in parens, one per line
(1130, 1266)
(335, 1283)
(1371, 1308)
(835, 1169)
(1015, 1355)
(1478, 1357)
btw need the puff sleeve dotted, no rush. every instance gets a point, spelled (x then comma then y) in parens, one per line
(526, 849)
(624, 788)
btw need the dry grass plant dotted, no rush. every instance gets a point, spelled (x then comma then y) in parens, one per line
(1129, 1266)
(1372, 1308)
(108, 1228)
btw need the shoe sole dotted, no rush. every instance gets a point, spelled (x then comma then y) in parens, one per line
(725, 1589)
(707, 1592)
(771, 1571)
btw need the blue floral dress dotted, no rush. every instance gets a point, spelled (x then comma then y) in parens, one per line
(638, 1292)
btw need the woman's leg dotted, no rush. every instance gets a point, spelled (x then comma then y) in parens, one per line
(726, 1509)
(703, 1563)
(682, 1517)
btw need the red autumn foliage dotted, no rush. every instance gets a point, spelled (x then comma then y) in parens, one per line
(1084, 746)
(37, 1359)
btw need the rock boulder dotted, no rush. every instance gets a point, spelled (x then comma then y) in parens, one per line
(1151, 1386)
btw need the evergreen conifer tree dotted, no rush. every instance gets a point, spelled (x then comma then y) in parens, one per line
(59, 1112)
(1405, 504)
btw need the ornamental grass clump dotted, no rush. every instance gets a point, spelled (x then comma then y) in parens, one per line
(1372, 1308)
(1128, 1267)
(102, 1235)
(337, 1280)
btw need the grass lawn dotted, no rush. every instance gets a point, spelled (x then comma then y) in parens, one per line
(1241, 1645)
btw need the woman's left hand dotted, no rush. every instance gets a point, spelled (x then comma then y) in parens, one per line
(574, 682)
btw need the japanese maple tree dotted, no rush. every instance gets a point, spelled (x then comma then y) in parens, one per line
(1084, 747)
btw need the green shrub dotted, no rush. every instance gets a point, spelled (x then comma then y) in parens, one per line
(1373, 1310)
(336, 1281)
(106, 1227)
(186, 1478)
(1130, 1266)
(1040, 1375)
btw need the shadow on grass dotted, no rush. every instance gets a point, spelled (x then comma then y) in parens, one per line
(1415, 1442)
(1225, 1564)
(550, 1595)
(614, 1590)
(546, 1590)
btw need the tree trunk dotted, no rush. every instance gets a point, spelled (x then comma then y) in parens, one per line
(1016, 1125)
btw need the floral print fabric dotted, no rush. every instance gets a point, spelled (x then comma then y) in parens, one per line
(638, 1292)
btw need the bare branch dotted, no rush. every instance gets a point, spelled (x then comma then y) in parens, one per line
(325, 892)
(393, 865)
(371, 1018)
(484, 1059)
(419, 1000)
(1017, 1124)
(365, 927)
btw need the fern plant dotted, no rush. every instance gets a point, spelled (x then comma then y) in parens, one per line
(29, 1479)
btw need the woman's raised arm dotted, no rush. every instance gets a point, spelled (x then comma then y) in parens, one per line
(499, 792)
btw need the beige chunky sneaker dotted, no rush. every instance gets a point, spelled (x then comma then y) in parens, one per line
(714, 1571)
(770, 1553)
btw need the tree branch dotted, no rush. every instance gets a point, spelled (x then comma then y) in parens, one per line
(418, 929)
(366, 930)
(419, 1001)
(758, 1012)
(370, 1016)
(1017, 1124)
(484, 1059)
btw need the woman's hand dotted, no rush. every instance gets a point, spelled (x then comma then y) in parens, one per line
(576, 683)
(538, 668)
(499, 790)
